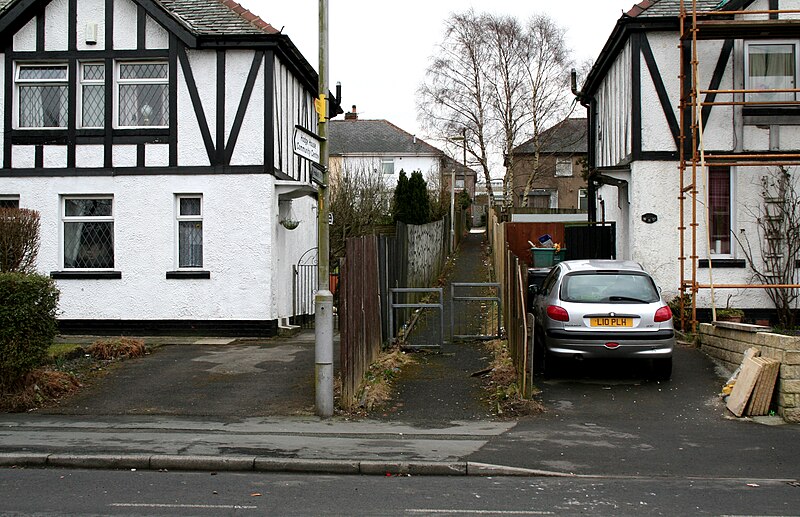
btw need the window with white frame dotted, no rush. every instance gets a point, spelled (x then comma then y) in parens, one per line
(583, 199)
(93, 95)
(563, 166)
(771, 66)
(9, 201)
(460, 183)
(41, 95)
(190, 231)
(387, 165)
(88, 232)
(719, 209)
(142, 94)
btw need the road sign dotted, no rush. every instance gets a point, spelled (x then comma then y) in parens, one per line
(306, 144)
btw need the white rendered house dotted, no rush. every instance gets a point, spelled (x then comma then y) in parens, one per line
(635, 111)
(155, 139)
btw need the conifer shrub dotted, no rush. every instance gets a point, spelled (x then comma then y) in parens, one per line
(28, 307)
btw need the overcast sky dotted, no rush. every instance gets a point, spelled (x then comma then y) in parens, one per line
(379, 49)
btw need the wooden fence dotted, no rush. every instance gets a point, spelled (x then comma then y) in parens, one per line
(359, 314)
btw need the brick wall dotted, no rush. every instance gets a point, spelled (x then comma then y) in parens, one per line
(727, 342)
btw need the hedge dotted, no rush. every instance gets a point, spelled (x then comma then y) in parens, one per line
(28, 306)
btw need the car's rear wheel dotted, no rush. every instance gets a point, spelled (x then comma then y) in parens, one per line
(662, 369)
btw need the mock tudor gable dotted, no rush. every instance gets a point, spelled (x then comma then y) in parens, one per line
(155, 139)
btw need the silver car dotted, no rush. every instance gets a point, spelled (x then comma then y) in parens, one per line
(599, 309)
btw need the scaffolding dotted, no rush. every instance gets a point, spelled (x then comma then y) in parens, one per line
(693, 159)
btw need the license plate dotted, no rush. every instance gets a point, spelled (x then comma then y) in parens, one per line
(611, 322)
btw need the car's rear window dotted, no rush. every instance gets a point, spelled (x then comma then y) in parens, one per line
(608, 287)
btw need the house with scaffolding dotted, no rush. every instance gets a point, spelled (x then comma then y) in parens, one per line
(694, 136)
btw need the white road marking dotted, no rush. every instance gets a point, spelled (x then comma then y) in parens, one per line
(201, 506)
(477, 512)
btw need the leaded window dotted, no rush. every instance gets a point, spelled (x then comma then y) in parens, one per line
(190, 231)
(93, 95)
(41, 95)
(142, 96)
(88, 232)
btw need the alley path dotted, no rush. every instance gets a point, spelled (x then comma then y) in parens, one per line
(439, 387)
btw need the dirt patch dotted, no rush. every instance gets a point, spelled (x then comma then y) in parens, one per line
(503, 394)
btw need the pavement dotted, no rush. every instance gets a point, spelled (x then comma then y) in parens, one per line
(220, 404)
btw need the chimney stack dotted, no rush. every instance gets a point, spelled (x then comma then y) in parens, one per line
(352, 115)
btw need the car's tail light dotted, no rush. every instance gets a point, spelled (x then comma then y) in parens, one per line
(663, 314)
(557, 313)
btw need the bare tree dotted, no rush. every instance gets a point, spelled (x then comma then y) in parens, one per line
(499, 80)
(548, 70)
(453, 97)
(360, 201)
(774, 260)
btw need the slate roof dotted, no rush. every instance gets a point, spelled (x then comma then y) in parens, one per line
(374, 137)
(661, 8)
(206, 17)
(215, 17)
(566, 137)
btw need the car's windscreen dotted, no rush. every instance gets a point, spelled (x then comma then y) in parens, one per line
(608, 287)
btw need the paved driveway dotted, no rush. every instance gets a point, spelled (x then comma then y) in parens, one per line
(269, 377)
(609, 419)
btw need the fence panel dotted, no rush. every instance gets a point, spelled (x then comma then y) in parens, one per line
(360, 315)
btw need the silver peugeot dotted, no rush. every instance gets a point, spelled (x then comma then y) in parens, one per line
(599, 309)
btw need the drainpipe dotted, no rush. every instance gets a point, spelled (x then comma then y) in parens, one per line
(591, 191)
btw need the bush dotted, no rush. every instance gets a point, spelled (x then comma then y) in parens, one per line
(123, 347)
(19, 239)
(28, 305)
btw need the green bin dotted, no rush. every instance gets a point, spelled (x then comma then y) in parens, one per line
(547, 257)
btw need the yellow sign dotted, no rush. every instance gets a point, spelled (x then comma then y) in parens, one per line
(611, 322)
(321, 105)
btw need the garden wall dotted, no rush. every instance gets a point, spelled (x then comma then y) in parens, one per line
(727, 342)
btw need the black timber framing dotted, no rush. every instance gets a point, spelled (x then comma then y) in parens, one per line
(197, 103)
(636, 95)
(716, 78)
(40, 31)
(269, 111)
(133, 171)
(141, 28)
(219, 156)
(174, 44)
(7, 113)
(661, 90)
(258, 57)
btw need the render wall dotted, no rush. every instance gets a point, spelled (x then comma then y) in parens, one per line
(238, 243)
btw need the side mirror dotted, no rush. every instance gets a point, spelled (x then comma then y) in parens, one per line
(533, 290)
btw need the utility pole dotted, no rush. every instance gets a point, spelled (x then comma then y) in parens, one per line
(323, 317)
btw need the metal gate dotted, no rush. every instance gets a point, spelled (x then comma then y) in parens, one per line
(393, 305)
(304, 288)
(475, 310)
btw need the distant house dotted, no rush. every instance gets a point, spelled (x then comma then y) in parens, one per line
(155, 137)
(383, 148)
(558, 182)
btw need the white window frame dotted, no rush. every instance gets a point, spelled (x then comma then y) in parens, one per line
(732, 174)
(583, 193)
(187, 218)
(747, 81)
(78, 219)
(387, 163)
(18, 67)
(563, 163)
(460, 183)
(89, 82)
(5, 198)
(118, 82)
